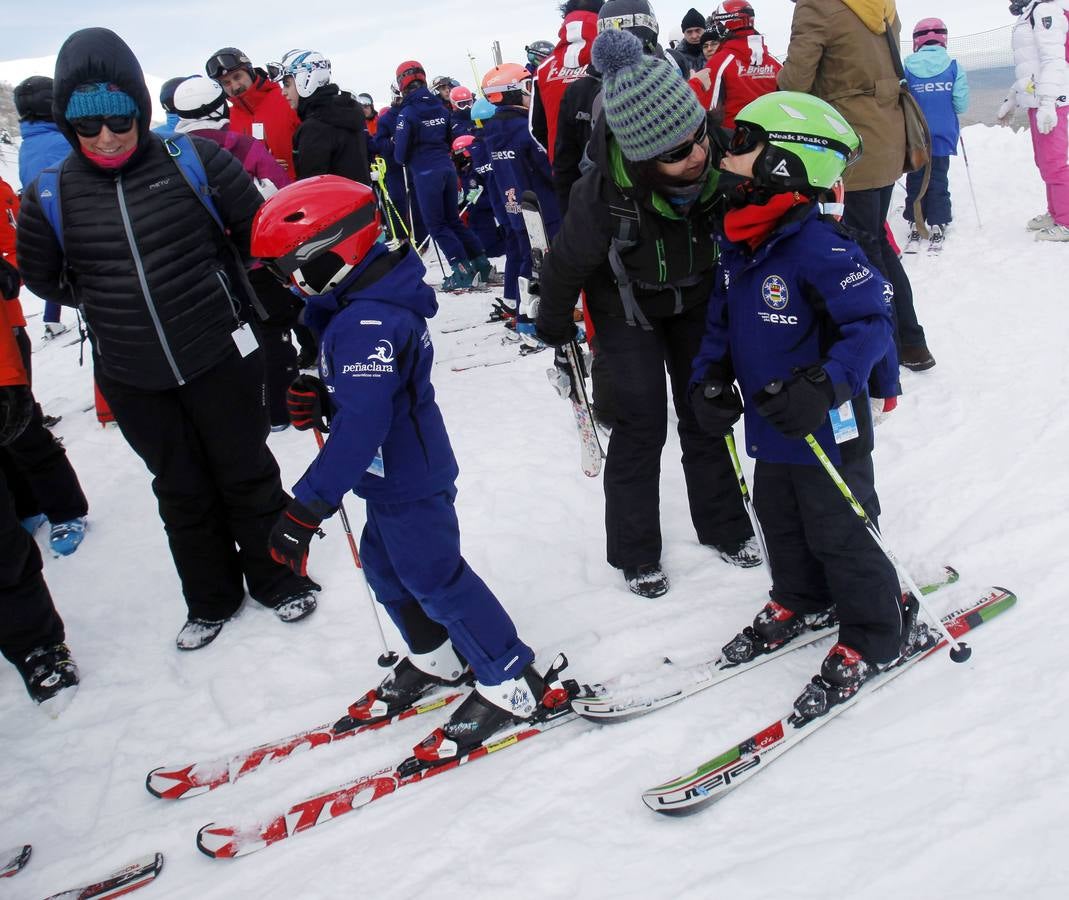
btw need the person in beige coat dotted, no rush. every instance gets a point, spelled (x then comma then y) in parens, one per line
(838, 52)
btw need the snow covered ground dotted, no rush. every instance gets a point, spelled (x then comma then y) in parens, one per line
(949, 783)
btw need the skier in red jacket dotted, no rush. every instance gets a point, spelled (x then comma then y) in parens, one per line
(741, 69)
(257, 106)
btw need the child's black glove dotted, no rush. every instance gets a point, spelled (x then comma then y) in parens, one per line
(799, 405)
(308, 404)
(291, 536)
(716, 404)
(16, 411)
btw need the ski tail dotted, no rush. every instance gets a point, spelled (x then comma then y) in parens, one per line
(129, 878)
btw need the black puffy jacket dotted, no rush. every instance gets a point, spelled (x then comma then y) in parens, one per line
(332, 139)
(142, 258)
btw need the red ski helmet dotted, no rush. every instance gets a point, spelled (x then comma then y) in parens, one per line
(461, 97)
(462, 145)
(408, 72)
(731, 16)
(929, 31)
(326, 215)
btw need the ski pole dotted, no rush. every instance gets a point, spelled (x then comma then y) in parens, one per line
(747, 501)
(388, 657)
(959, 652)
(968, 172)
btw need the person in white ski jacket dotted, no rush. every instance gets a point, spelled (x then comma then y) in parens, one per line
(1041, 62)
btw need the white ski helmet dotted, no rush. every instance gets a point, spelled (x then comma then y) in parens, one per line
(200, 98)
(310, 70)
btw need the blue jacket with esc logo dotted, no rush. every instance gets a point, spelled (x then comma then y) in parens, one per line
(424, 133)
(387, 440)
(807, 296)
(942, 91)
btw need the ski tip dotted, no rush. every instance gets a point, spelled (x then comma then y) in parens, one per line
(217, 842)
(655, 802)
(15, 860)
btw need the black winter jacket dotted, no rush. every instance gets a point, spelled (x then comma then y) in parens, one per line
(574, 125)
(670, 263)
(332, 139)
(144, 261)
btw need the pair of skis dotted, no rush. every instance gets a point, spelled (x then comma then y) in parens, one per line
(122, 881)
(569, 378)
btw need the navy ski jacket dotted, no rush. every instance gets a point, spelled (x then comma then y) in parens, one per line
(387, 441)
(520, 164)
(424, 134)
(806, 297)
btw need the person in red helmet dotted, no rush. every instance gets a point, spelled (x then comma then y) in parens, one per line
(741, 69)
(257, 106)
(388, 444)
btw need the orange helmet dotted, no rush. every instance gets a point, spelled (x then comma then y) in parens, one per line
(504, 78)
(322, 216)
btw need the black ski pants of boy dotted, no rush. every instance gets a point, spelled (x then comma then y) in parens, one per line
(822, 555)
(636, 360)
(218, 486)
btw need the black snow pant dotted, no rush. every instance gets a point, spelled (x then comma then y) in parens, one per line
(636, 360)
(865, 215)
(279, 354)
(215, 479)
(822, 555)
(28, 618)
(39, 476)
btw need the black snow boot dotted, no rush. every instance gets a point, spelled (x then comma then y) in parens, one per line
(50, 676)
(647, 581)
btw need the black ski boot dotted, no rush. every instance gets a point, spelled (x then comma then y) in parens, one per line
(773, 626)
(647, 581)
(842, 674)
(413, 678)
(488, 710)
(50, 676)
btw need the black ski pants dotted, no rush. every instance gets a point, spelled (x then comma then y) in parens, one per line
(636, 360)
(822, 555)
(865, 215)
(215, 479)
(279, 354)
(28, 618)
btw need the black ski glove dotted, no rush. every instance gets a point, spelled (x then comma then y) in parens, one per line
(556, 338)
(291, 536)
(16, 410)
(565, 381)
(717, 405)
(308, 404)
(798, 406)
(9, 280)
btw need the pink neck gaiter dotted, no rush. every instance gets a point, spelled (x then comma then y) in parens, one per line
(109, 162)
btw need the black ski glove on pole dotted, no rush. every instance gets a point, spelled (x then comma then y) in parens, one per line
(798, 406)
(16, 410)
(308, 404)
(716, 401)
(291, 536)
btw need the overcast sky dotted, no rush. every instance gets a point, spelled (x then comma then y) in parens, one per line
(365, 40)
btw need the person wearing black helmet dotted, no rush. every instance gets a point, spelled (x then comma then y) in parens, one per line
(167, 102)
(536, 53)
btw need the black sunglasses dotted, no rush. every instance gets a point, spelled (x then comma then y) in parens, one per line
(930, 31)
(89, 126)
(680, 153)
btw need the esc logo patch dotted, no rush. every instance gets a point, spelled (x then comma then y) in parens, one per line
(774, 292)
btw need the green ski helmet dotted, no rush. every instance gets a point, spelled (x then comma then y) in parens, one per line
(808, 143)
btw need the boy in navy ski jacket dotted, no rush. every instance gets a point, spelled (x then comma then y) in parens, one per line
(475, 191)
(802, 321)
(388, 444)
(942, 91)
(422, 142)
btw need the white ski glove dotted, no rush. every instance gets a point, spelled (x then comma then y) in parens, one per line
(266, 188)
(1046, 117)
(881, 408)
(1008, 108)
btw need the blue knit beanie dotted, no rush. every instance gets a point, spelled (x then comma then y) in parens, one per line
(99, 99)
(648, 106)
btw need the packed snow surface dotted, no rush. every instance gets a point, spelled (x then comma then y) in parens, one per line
(948, 783)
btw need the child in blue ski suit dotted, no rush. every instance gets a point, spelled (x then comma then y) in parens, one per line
(388, 444)
(475, 192)
(422, 141)
(942, 91)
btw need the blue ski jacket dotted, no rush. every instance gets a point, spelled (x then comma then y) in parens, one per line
(424, 133)
(462, 123)
(388, 441)
(807, 296)
(520, 164)
(43, 145)
(942, 92)
(480, 162)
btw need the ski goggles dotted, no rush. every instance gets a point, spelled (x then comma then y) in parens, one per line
(918, 34)
(680, 153)
(747, 137)
(222, 63)
(464, 104)
(90, 126)
(276, 71)
(403, 76)
(630, 20)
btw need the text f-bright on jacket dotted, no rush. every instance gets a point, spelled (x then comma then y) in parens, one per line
(388, 441)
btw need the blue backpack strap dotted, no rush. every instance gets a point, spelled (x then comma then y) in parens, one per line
(48, 196)
(185, 157)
